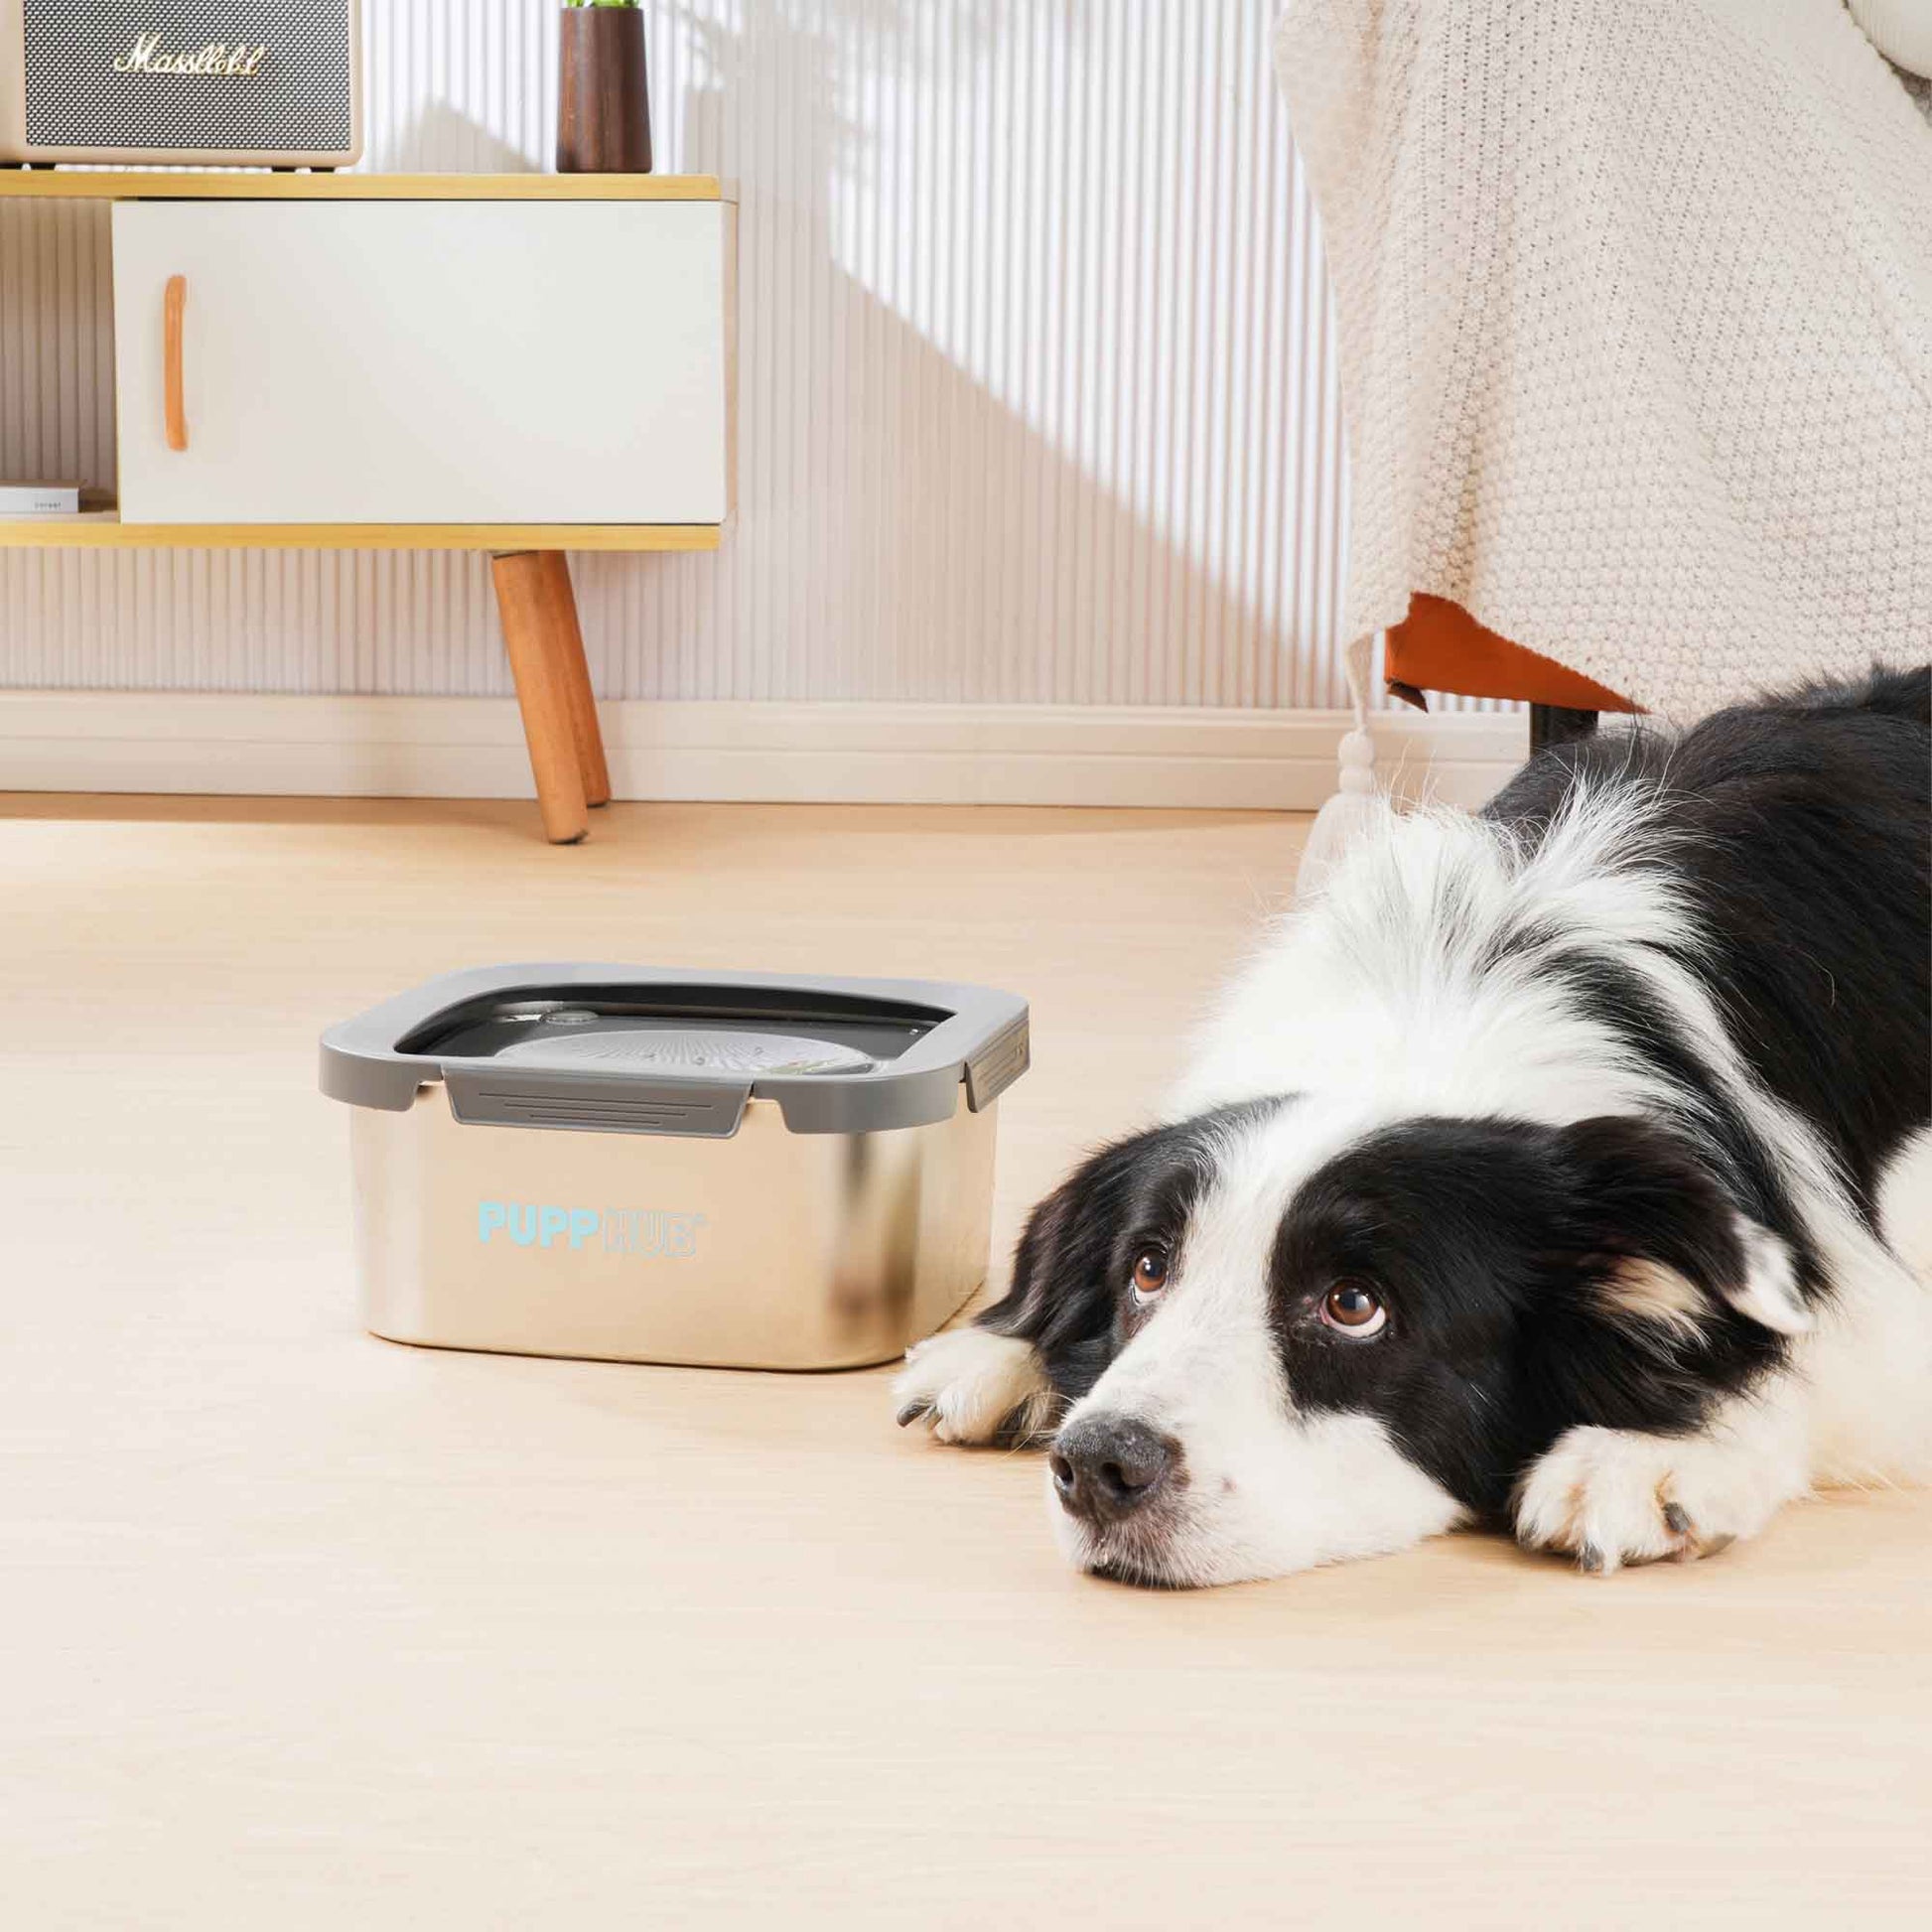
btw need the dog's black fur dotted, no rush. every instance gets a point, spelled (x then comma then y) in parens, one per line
(1800, 837)
(1496, 1239)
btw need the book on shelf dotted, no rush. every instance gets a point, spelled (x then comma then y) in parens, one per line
(39, 499)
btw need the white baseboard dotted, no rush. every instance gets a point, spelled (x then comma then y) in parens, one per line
(910, 753)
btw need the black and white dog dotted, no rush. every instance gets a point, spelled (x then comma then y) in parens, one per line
(1564, 1167)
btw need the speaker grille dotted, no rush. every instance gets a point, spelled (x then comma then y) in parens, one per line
(296, 103)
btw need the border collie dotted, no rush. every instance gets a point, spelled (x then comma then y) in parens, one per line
(1564, 1167)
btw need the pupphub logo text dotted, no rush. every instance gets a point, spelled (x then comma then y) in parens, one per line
(651, 1232)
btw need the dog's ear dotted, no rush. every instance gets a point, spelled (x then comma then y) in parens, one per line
(1661, 1241)
(1659, 1293)
(1064, 1297)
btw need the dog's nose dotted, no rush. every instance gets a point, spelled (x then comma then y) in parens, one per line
(1106, 1466)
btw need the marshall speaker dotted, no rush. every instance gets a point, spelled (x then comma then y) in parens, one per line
(216, 83)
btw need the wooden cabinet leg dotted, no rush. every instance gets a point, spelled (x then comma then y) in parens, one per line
(577, 679)
(534, 631)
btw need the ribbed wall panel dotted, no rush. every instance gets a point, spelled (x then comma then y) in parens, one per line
(1037, 390)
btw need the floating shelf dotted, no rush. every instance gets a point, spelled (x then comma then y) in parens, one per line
(214, 184)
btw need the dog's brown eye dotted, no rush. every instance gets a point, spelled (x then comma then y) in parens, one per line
(1354, 1309)
(1150, 1274)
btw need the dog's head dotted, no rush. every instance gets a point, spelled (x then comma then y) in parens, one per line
(1296, 1335)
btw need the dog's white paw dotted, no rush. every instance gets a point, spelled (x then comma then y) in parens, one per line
(1611, 1497)
(973, 1386)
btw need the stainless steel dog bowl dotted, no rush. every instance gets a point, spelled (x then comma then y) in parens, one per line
(646, 1166)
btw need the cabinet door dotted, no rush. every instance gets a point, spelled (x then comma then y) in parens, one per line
(424, 362)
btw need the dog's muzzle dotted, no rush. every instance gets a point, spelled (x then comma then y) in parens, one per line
(1106, 1468)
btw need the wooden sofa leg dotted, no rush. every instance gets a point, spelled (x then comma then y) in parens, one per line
(1551, 723)
(536, 632)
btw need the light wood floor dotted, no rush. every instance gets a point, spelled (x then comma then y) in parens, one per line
(304, 1629)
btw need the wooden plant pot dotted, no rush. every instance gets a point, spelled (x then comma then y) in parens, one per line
(603, 102)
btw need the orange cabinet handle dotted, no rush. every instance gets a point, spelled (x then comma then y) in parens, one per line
(173, 308)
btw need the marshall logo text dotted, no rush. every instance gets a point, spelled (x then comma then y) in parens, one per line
(217, 58)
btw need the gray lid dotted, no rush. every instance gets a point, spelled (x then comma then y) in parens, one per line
(656, 1050)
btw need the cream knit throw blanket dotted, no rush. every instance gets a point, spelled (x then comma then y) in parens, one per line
(1636, 319)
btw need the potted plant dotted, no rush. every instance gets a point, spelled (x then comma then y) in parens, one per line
(603, 102)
